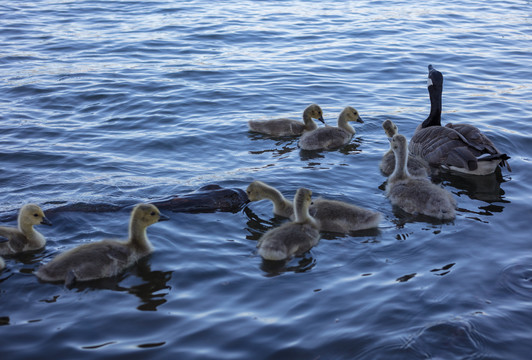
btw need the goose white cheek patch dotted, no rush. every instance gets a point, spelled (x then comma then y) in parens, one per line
(429, 82)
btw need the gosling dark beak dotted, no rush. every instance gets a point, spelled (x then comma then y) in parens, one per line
(321, 119)
(163, 217)
(45, 221)
(359, 119)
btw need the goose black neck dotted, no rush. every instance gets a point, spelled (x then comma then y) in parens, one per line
(435, 89)
(434, 118)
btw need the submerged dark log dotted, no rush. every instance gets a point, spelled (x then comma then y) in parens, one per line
(209, 198)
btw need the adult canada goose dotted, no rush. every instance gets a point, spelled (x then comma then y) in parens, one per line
(331, 137)
(331, 215)
(24, 237)
(416, 166)
(107, 257)
(292, 238)
(289, 127)
(416, 195)
(459, 147)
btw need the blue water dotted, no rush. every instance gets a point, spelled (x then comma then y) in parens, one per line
(129, 101)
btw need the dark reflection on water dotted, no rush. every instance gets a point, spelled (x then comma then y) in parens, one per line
(298, 264)
(151, 291)
(351, 148)
(486, 188)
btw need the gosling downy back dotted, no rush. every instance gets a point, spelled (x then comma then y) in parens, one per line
(329, 137)
(416, 166)
(341, 217)
(289, 127)
(461, 148)
(416, 195)
(24, 237)
(292, 238)
(104, 258)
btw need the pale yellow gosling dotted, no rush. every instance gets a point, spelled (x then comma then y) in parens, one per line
(24, 237)
(416, 195)
(331, 137)
(105, 258)
(294, 238)
(289, 127)
(2, 263)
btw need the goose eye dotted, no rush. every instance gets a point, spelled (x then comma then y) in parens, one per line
(36, 215)
(152, 213)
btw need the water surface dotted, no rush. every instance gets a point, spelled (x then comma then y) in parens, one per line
(129, 101)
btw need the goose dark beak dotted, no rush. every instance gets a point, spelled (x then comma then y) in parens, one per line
(359, 119)
(45, 221)
(163, 217)
(321, 119)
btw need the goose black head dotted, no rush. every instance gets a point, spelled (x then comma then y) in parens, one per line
(435, 79)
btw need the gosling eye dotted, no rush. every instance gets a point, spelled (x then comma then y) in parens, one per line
(36, 215)
(152, 213)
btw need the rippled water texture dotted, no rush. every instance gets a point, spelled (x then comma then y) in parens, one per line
(118, 102)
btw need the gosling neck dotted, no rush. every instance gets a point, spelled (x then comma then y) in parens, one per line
(401, 169)
(434, 118)
(301, 212)
(27, 229)
(307, 119)
(281, 206)
(343, 124)
(138, 237)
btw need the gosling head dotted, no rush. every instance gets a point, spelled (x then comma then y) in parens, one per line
(389, 128)
(254, 190)
(351, 114)
(32, 214)
(303, 197)
(398, 143)
(315, 112)
(147, 214)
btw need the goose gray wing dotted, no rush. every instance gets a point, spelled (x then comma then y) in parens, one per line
(475, 138)
(443, 146)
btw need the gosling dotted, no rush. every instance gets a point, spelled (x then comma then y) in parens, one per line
(331, 215)
(331, 137)
(104, 258)
(294, 238)
(24, 237)
(289, 127)
(2, 264)
(416, 167)
(416, 195)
